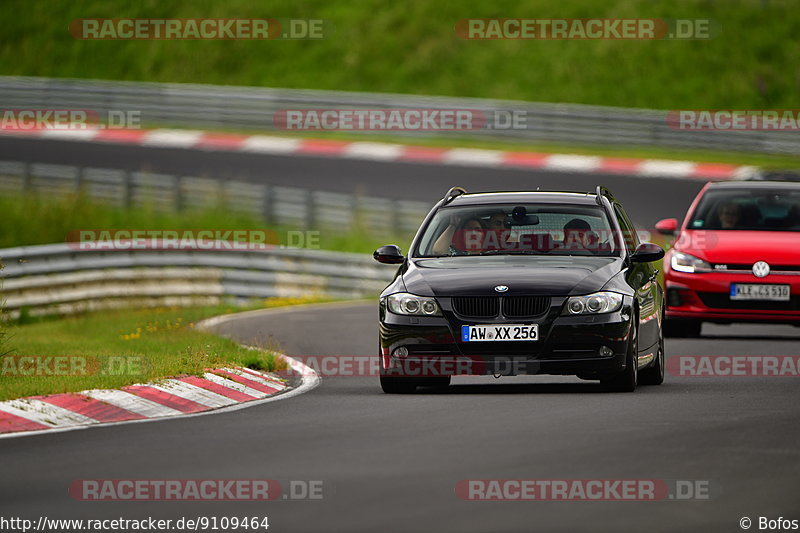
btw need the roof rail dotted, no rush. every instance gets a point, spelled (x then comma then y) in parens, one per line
(452, 193)
(603, 192)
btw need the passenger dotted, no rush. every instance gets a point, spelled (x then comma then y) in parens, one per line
(459, 237)
(578, 235)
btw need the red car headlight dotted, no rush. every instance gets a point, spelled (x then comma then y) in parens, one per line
(683, 262)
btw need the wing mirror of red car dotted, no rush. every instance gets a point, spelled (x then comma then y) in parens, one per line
(647, 252)
(389, 254)
(668, 226)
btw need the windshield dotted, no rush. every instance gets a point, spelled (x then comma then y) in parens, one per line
(754, 210)
(552, 229)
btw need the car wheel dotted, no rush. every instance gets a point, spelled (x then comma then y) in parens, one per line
(626, 380)
(654, 374)
(393, 385)
(682, 328)
(438, 382)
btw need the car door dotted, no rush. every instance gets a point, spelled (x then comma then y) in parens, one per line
(642, 278)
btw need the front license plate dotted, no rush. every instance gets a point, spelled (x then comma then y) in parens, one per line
(500, 332)
(753, 291)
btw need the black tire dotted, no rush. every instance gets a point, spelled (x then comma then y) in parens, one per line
(626, 380)
(654, 374)
(394, 385)
(438, 382)
(682, 329)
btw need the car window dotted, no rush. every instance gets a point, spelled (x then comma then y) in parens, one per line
(752, 210)
(553, 229)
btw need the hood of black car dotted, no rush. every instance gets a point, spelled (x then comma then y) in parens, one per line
(523, 275)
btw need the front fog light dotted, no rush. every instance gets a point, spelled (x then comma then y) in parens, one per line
(605, 351)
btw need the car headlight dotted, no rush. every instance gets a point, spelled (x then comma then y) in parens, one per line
(593, 304)
(688, 263)
(403, 303)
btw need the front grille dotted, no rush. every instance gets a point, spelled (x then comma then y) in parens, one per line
(774, 269)
(489, 306)
(477, 306)
(721, 300)
(525, 306)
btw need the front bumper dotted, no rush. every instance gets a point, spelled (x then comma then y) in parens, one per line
(567, 345)
(706, 297)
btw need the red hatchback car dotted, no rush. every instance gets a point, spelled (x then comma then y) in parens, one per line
(736, 257)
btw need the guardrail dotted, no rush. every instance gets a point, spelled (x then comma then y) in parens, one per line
(213, 106)
(279, 206)
(59, 279)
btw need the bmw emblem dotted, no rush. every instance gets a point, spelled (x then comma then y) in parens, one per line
(761, 269)
(501, 288)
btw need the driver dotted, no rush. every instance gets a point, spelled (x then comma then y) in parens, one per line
(730, 214)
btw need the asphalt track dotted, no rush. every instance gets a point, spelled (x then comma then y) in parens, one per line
(391, 463)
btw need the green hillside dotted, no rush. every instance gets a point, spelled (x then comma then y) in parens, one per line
(411, 47)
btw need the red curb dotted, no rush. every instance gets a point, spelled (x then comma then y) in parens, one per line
(90, 407)
(219, 389)
(423, 153)
(320, 146)
(18, 423)
(247, 382)
(166, 399)
(222, 140)
(122, 136)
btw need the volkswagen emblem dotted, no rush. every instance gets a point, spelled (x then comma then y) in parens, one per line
(504, 288)
(761, 269)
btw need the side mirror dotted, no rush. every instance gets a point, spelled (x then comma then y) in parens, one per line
(647, 252)
(389, 254)
(668, 226)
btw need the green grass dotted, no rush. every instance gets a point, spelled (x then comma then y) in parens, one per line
(411, 47)
(125, 347)
(31, 218)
